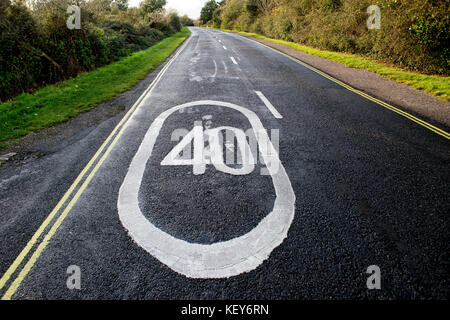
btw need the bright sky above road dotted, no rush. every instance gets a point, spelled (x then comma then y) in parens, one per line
(190, 7)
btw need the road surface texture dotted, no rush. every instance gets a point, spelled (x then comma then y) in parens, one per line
(352, 185)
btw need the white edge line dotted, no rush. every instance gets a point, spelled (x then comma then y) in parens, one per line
(269, 105)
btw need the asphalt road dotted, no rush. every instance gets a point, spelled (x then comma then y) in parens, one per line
(352, 185)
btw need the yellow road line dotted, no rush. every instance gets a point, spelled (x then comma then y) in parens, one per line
(125, 121)
(26, 269)
(63, 200)
(365, 95)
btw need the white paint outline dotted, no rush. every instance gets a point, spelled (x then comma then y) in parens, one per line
(234, 61)
(215, 69)
(225, 66)
(218, 260)
(269, 105)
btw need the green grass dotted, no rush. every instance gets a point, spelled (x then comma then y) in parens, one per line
(58, 103)
(438, 86)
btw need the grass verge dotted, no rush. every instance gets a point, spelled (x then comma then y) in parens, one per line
(58, 103)
(438, 86)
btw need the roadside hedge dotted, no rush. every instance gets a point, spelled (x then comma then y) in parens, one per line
(414, 34)
(37, 48)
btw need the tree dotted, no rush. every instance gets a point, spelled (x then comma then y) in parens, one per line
(186, 21)
(100, 5)
(151, 6)
(174, 21)
(121, 4)
(208, 11)
(263, 5)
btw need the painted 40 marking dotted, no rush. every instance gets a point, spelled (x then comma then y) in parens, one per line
(214, 154)
(222, 259)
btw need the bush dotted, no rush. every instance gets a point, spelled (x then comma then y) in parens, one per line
(414, 34)
(37, 48)
(174, 22)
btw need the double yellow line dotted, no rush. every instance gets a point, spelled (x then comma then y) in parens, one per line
(365, 95)
(114, 136)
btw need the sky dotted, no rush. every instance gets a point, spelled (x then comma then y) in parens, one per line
(190, 7)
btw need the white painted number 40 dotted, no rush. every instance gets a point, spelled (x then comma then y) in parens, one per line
(213, 154)
(224, 259)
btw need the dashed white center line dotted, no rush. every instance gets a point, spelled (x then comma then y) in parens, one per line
(225, 47)
(234, 61)
(269, 106)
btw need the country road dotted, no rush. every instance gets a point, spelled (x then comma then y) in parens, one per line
(335, 184)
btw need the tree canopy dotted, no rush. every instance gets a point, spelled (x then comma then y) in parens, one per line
(208, 11)
(150, 6)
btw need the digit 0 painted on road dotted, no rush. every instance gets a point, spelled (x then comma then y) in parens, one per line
(218, 260)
